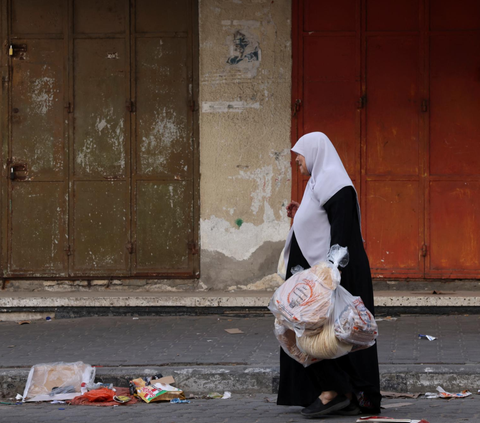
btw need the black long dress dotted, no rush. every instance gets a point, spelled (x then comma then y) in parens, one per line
(355, 372)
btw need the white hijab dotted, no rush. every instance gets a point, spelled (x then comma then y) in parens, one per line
(328, 176)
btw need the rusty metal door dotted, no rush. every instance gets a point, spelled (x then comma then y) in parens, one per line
(396, 87)
(34, 152)
(454, 141)
(100, 138)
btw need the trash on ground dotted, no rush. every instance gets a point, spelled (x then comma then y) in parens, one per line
(7, 403)
(429, 337)
(388, 394)
(227, 395)
(104, 397)
(122, 399)
(58, 402)
(179, 401)
(443, 394)
(396, 405)
(152, 394)
(233, 331)
(388, 319)
(213, 395)
(48, 319)
(18, 397)
(24, 322)
(169, 380)
(57, 381)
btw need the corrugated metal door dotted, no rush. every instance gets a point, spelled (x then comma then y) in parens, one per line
(102, 138)
(408, 71)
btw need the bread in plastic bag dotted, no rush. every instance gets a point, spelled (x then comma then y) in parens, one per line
(286, 339)
(305, 301)
(353, 321)
(324, 345)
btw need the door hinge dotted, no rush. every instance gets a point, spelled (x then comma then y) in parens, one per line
(69, 107)
(296, 107)
(130, 247)
(424, 106)
(193, 247)
(68, 250)
(362, 101)
(130, 106)
(424, 250)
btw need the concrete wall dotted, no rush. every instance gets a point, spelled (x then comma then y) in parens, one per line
(245, 86)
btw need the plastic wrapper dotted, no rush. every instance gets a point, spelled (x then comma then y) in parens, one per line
(57, 381)
(286, 339)
(354, 323)
(305, 301)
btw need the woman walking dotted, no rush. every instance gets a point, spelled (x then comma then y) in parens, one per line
(329, 214)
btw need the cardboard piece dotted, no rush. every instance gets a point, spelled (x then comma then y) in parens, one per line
(396, 405)
(233, 331)
(167, 380)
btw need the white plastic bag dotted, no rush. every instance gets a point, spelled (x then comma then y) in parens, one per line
(305, 301)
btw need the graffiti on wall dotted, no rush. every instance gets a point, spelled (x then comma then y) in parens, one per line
(245, 53)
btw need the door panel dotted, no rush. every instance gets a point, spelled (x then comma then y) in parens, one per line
(162, 16)
(37, 229)
(99, 16)
(38, 17)
(331, 92)
(161, 210)
(455, 228)
(37, 109)
(99, 109)
(392, 222)
(393, 15)
(392, 119)
(325, 15)
(450, 15)
(100, 230)
(164, 148)
(455, 104)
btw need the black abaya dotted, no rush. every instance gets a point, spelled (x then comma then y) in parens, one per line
(355, 372)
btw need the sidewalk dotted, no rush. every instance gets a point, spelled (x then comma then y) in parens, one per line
(203, 357)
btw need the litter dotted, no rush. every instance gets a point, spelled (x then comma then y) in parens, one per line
(429, 337)
(18, 397)
(48, 319)
(227, 395)
(57, 402)
(233, 331)
(443, 394)
(24, 322)
(389, 420)
(214, 395)
(118, 397)
(122, 399)
(179, 401)
(57, 381)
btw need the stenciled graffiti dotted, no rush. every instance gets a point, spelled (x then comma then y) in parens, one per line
(245, 49)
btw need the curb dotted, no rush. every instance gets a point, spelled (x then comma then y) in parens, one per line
(248, 379)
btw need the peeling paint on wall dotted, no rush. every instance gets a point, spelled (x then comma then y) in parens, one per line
(227, 106)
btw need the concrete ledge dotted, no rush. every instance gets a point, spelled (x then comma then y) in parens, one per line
(242, 379)
(10, 300)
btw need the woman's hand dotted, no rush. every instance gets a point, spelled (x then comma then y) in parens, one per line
(292, 209)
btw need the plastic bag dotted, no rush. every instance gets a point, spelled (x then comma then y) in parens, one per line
(57, 380)
(281, 268)
(305, 301)
(354, 323)
(99, 395)
(286, 339)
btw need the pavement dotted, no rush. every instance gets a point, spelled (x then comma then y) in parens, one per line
(259, 408)
(203, 357)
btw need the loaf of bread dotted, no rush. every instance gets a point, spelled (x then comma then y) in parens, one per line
(356, 325)
(286, 338)
(323, 345)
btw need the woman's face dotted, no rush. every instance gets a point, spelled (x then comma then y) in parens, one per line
(300, 160)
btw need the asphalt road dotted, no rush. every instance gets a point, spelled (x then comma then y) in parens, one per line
(238, 409)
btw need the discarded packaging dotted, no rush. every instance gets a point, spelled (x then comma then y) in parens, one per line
(57, 381)
(122, 399)
(152, 394)
(387, 394)
(443, 394)
(179, 401)
(388, 420)
(233, 331)
(227, 395)
(396, 405)
(429, 337)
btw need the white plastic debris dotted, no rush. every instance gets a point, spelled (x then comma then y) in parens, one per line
(227, 395)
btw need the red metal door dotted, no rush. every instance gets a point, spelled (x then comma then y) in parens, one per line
(413, 145)
(454, 165)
